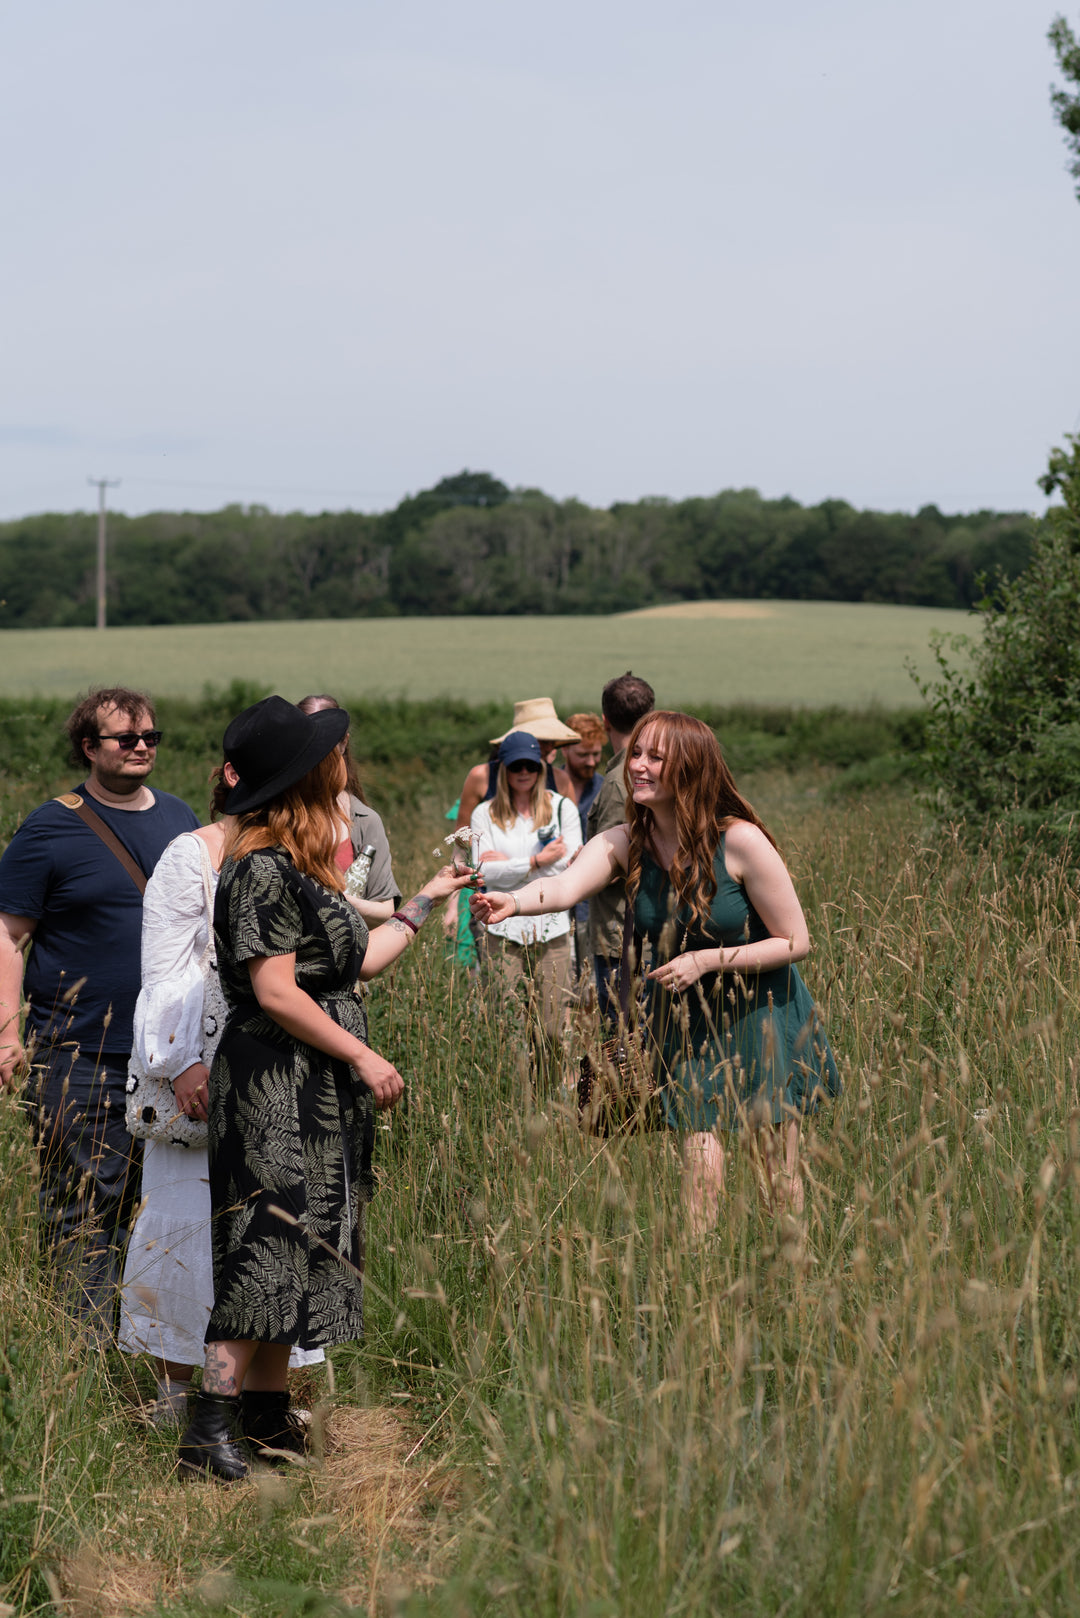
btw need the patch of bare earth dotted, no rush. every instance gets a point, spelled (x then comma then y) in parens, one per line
(705, 609)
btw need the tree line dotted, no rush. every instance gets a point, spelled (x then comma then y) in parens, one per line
(472, 545)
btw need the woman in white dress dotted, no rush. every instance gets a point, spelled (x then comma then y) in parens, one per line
(168, 1286)
(523, 832)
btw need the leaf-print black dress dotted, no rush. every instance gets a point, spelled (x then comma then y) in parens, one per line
(291, 1130)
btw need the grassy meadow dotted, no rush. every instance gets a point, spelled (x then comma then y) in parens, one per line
(562, 1405)
(813, 653)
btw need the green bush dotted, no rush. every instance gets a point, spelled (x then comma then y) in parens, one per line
(1003, 738)
(403, 747)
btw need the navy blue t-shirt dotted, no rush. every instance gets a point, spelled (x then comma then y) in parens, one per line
(88, 913)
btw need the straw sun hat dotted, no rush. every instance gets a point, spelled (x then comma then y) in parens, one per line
(537, 715)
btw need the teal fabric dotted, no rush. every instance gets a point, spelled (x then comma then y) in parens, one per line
(463, 946)
(731, 1049)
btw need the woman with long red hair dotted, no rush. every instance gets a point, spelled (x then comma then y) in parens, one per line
(732, 1025)
(294, 1085)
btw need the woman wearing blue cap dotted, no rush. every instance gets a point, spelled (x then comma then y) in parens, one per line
(523, 832)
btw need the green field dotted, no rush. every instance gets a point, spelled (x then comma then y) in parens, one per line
(563, 1406)
(809, 654)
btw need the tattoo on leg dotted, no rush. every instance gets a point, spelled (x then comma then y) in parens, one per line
(219, 1371)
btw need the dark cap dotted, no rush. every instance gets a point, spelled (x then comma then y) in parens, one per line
(520, 747)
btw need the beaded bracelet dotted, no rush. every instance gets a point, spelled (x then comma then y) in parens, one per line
(399, 916)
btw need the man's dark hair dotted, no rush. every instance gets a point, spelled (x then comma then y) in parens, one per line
(82, 723)
(626, 700)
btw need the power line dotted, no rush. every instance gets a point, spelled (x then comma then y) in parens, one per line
(337, 494)
(102, 484)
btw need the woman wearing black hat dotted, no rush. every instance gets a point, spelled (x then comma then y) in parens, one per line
(293, 1086)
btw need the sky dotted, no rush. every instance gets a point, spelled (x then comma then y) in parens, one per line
(319, 256)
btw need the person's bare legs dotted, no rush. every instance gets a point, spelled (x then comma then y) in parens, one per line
(703, 1181)
(775, 1151)
(211, 1445)
(258, 1367)
(791, 1190)
(269, 1369)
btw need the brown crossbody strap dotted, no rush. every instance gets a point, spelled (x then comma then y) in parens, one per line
(71, 800)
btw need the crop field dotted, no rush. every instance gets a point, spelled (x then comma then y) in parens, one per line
(562, 1405)
(810, 654)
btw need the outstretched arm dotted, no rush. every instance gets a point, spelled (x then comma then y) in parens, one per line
(394, 936)
(601, 859)
(374, 911)
(471, 795)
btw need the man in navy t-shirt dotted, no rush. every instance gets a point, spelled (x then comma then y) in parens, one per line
(68, 899)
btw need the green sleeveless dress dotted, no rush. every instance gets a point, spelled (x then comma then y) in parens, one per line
(731, 1049)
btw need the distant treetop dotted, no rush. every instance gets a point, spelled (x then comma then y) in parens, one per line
(1066, 104)
(471, 489)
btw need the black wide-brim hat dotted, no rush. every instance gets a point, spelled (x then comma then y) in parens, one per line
(274, 744)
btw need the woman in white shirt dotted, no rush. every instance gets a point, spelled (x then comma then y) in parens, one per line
(523, 832)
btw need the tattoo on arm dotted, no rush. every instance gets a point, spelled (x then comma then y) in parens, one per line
(417, 910)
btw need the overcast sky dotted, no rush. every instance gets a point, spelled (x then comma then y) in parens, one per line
(322, 254)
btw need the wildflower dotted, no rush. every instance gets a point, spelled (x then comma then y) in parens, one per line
(467, 839)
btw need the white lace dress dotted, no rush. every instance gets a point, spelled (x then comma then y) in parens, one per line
(168, 1286)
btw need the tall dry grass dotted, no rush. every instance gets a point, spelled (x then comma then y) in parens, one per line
(874, 1408)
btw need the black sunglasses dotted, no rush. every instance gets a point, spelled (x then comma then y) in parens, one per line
(524, 764)
(128, 740)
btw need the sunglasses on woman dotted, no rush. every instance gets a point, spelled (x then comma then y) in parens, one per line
(517, 769)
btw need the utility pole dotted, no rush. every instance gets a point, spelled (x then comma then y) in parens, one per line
(101, 485)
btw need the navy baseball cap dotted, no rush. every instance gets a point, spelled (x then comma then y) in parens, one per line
(520, 748)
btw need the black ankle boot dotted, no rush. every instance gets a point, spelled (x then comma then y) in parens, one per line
(269, 1424)
(209, 1447)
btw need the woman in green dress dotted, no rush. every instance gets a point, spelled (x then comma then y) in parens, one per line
(294, 1085)
(734, 1031)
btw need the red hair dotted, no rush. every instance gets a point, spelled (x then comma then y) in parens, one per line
(706, 802)
(303, 820)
